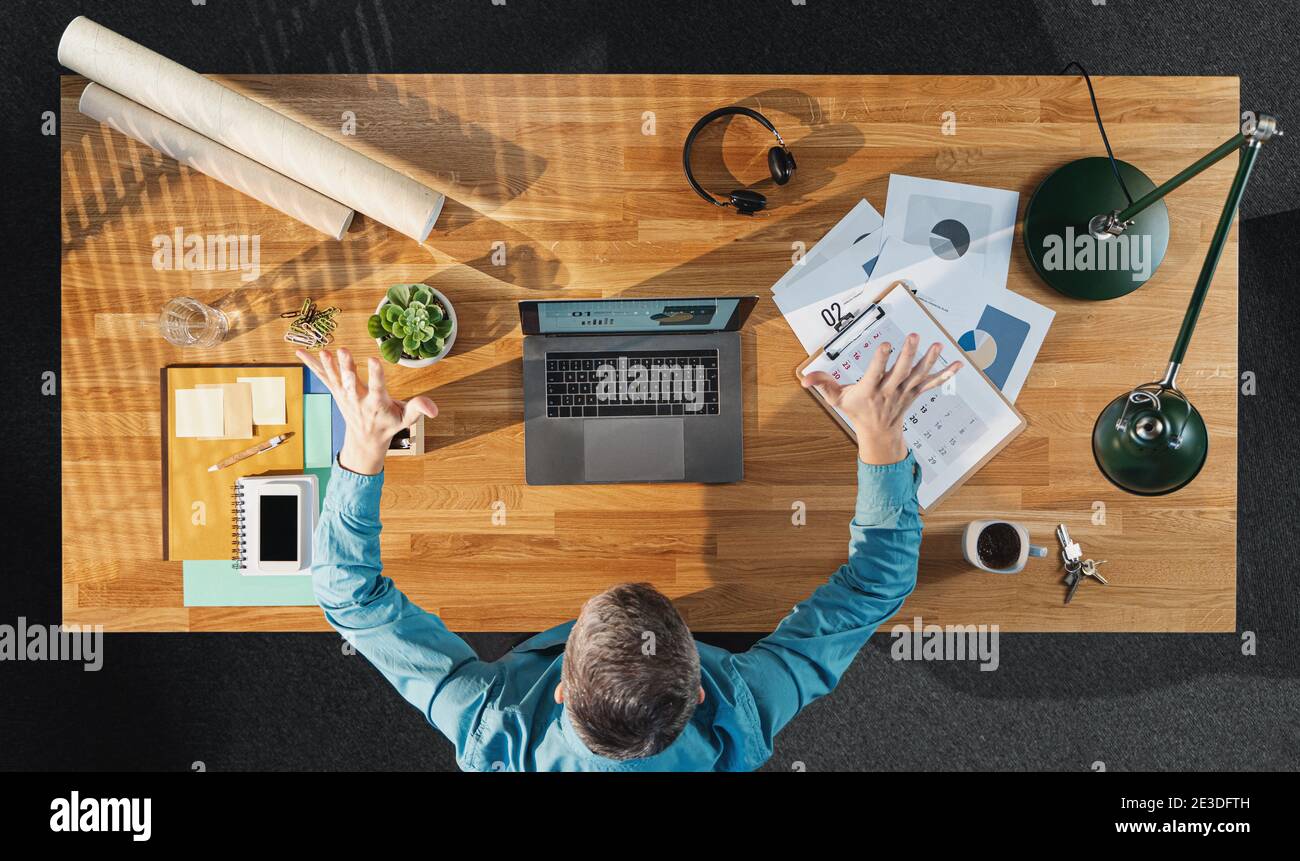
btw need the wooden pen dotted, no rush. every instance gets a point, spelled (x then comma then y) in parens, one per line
(250, 451)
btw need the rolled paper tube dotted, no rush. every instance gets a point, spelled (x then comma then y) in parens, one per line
(212, 159)
(249, 128)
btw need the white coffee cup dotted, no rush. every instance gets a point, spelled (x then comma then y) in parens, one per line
(970, 549)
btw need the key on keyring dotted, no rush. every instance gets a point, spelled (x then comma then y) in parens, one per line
(1071, 552)
(1072, 579)
(1089, 569)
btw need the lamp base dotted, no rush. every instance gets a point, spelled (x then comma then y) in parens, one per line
(1065, 252)
(1150, 441)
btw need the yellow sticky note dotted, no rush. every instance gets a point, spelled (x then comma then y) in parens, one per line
(237, 405)
(200, 413)
(268, 399)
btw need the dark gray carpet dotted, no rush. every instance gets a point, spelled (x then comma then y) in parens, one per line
(296, 702)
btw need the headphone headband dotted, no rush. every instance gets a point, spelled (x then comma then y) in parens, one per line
(731, 110)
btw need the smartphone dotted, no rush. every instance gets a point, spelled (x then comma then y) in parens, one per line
(279, 515)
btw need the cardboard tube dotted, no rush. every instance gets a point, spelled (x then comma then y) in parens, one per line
(212, 159)
(249, 128)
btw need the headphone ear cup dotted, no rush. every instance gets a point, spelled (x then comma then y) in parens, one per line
(780, 163)
(747, 202)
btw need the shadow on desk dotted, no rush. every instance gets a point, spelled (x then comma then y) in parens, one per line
(526, 266)
(477, 404)
(404, 129)
(320, 271)
(326, 269)
(819, 146)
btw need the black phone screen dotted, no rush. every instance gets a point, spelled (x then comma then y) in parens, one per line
(279, 529)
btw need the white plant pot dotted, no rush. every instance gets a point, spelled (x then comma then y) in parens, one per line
(451, 339)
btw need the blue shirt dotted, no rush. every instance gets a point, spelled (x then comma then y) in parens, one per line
(502, 715)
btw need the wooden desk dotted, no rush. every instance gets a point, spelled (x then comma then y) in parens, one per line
(580, 178)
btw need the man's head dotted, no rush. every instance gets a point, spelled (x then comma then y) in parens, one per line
(631, 676)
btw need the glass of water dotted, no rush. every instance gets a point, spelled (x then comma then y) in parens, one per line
(188, 322)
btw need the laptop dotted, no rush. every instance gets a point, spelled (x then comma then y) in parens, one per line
(633, 390)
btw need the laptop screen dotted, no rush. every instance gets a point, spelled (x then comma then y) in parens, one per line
(619, 316)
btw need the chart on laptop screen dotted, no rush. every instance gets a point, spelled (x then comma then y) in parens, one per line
(634, 315)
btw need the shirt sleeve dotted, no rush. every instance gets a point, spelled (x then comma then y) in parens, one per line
(435, 670)
(805, 656)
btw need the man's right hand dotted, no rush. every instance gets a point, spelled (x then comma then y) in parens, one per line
(875, 404)
(373, 417)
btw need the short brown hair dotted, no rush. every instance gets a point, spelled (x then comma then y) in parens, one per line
(631, 673)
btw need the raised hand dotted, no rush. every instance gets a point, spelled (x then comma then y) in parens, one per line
(372, 416)
(875, 404)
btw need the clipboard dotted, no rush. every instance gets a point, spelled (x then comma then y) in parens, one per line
(874, 315)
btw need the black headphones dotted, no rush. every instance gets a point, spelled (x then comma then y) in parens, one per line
(780, 162)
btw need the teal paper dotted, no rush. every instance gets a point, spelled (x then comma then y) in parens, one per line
(219, 584)
(317, 430)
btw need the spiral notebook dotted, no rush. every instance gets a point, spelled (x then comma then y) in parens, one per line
(273, 520)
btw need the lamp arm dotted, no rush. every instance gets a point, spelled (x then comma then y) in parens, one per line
(1244, 166)
(1108, 224)
(1211, 158)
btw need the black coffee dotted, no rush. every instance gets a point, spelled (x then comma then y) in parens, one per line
(998, 545)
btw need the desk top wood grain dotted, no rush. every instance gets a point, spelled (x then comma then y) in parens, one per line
(578, 180)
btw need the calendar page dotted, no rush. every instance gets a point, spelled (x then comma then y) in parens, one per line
(950, 429)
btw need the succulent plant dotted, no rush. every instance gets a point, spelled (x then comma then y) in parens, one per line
(411, 324)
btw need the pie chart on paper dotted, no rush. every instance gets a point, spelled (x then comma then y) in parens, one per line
(980, 346)
(949, 239)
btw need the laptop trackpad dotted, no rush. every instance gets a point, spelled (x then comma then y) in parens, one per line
(634, 449)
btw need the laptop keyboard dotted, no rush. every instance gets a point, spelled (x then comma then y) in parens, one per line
(632, 384)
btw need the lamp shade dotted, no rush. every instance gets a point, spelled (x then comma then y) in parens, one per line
(1150, 441)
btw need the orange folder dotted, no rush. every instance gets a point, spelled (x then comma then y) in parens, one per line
(198, 521)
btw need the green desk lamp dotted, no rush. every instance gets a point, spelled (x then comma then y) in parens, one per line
(1151, 440)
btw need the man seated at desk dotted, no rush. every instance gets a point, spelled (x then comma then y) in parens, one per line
(590, 694)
